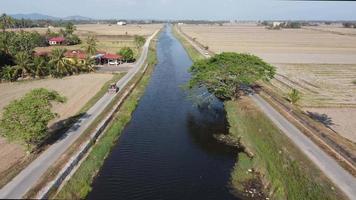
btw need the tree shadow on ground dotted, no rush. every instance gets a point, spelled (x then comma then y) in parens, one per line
(322, 118)
(59, 130)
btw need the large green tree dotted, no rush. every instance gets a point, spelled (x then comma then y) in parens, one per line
(226, 75)
(25, 120)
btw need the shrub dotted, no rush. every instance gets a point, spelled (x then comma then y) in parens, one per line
(25, 120)
(127, 54)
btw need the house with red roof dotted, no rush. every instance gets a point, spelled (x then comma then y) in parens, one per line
(56, 41)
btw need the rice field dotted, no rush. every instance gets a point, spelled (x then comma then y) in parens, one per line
(319, 61)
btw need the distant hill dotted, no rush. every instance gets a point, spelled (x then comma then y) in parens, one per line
(37, 16)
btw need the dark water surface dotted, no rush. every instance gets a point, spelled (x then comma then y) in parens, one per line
(167, 151)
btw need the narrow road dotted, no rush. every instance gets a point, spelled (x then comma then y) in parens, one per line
(29, 176)
(338, 175)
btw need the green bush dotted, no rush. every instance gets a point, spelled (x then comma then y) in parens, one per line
(127, 54)
(25, 120)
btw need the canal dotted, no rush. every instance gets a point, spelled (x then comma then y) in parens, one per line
(167, 150)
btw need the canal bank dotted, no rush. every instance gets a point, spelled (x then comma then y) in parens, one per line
(168, 151)
(271, 162)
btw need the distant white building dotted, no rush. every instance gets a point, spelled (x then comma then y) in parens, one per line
(276, 24)
(121, 23)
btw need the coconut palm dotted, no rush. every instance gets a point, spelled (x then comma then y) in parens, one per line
(88, 64)
(91, 47)
(6, 21)
(39, 67)
(59, 63)
(8, 73)
(23, 63)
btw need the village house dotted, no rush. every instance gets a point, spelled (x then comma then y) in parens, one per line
(56, 41)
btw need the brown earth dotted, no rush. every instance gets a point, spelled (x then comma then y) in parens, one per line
(78, 90)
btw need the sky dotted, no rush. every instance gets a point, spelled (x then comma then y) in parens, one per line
(187, 9)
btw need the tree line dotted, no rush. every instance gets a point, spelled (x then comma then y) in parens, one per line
(17, 59)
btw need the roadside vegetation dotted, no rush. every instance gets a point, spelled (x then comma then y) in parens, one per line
(25, 121)
(79, 184)
(192, 52)
(270, 162)
(127, 54)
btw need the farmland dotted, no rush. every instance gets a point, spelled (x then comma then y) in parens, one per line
(77, 89)
(110, 38)
(319, 61)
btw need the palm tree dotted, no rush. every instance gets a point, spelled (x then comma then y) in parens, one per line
(39, 66)
(23, 63)
(58, 62)
(5, 22)
(8, 73)
(91, 46)
(88, 64)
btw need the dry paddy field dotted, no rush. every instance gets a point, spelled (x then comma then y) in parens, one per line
(318, 61)
(110, 38)
(78, 90)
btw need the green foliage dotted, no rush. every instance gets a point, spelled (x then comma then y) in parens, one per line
(23, 64)
(26, 120)
(139, 41)
(226, 75)
(40, 67)
(60, 66)
(70, 28)
(6, 22)
(294, 96)
(90, 46)
(72, 39)
(127, 54)
(8, 73)
(354, 82)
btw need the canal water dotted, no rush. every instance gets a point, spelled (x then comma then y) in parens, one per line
(167, 150)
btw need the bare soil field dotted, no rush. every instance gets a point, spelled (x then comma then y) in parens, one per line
(78, 90)
(319, 61)
(334, 28)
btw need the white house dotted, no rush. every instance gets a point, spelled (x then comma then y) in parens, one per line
(121, 23)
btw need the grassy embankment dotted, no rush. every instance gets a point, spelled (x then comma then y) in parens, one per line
(192, 52)
(287, 172)
(284, 170)
(80, 183)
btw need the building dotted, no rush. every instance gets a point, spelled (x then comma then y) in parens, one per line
(111, 59)
(56, 41)
(276, 24)
(75, 56)
(121, 23)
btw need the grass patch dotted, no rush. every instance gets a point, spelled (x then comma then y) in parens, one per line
(80, 183)
(101, 92)
(192, 52)
(287, 172)
(354, 82)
